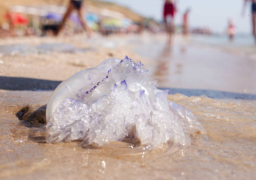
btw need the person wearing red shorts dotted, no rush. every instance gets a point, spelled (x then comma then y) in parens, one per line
(231, 31)
(185, 22)
(169, 12)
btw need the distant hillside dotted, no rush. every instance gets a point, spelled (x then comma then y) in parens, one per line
(5, 4)
(115, 7)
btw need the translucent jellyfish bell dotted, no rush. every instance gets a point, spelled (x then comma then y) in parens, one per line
(116, 101)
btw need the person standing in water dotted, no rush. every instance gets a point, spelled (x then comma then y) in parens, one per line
(169, 12)
(78, 6)
(185, 27)
(231, 31)
(253, 10)
(185, 22)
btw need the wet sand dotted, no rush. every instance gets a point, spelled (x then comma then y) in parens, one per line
(225, 151)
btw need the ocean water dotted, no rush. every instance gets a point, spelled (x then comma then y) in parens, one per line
(239, 41)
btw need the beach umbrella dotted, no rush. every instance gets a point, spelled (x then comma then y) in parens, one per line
(93, 25)
(89, 17)
(53, 16)
(92, 17)
(17, 19)
(20, 19)
(112, 22)
(74, 18)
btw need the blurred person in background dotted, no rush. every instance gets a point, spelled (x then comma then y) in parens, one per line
(10, 19)
(78, 6)
(185, 31)
(185, 22)
(253, 10)
(231, 31)
(140, 27)
(169, 12)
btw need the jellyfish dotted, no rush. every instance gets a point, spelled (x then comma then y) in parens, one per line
(116, 101)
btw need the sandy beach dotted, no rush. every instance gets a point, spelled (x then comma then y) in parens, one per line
(33, 68)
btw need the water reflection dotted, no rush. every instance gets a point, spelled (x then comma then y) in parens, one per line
(162, 71)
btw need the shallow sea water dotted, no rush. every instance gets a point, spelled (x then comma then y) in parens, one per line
(225, 151)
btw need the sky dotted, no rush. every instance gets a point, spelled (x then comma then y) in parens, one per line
(213, 14)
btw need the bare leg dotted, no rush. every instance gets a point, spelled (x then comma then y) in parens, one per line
(254, 25)
(168, 29)
(81, 18)
(171, 30)
(166, 25)
(11, 24)
(65, 17)
(185, 29)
